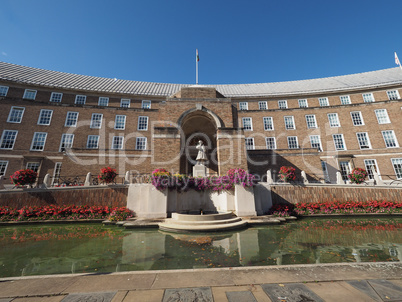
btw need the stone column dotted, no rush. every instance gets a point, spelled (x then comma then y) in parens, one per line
(88, 180)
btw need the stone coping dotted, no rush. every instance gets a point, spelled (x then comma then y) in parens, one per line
(38, 190)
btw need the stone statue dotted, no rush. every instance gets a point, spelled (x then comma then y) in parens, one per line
(202, 156)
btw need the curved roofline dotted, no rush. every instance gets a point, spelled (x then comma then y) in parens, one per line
(62, 80)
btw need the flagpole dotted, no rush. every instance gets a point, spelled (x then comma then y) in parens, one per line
(397, 62)
(196, 66)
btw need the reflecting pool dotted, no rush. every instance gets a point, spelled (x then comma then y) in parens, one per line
(94, 248)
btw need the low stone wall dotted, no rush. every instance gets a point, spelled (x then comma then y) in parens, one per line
(283, 193)
(113, 196)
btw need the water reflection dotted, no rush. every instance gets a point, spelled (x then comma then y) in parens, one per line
(34, 250)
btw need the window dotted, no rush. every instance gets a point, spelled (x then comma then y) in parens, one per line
(66, 142)
(247, 123)
(283, 104)
(146, 104)
(71, 119)
(345, 100)
(103, 101)
(271, 143)
(303, 103)
(56, 173)
(363, 139)
(117, 142)
(345, 169)
(371, 166)
(34, 166)
(289, 123)
(3, 167)
(143, 123)
(311, 121)
(262, 105)
(389, 138)
(339, 142)
(120, 122)
(357, 118)
(368, 97)
(15, 115)
(125, 103)
(333, 120)
(29, 94)
(80, 99)
(96, 121)
(8, 139)
(93, 142)
(292, 142)
(45, 116)
(141, 143)
(243, 106)
(323, 102)
(56, 97)
(38, 141)
(325, 171)
(3, 90)
(250, 143)
(396, 163)
(393, 94)
(382, 116)
(315, 142)
(268, 123)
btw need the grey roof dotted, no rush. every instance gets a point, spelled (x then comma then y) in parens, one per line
(62, 80)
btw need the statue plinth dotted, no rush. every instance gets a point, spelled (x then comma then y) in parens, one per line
(199, 171)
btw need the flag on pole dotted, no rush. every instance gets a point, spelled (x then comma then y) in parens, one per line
(397, 60)
(197, 56)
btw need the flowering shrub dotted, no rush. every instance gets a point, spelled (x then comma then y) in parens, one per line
(120, 214)
(107, 175)
(287, 173)
(357, 176)
(54, 212)
(23, 177)
(160, 172)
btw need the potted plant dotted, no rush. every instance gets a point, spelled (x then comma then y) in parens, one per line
(107, 175)
(287, 173)
(24, 177)
(357, 176)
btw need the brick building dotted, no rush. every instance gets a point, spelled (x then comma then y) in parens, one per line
(67, 124)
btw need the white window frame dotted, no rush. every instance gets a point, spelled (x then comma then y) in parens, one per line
(243, 105)
(268, 121)
(311, 124)
(292, 119)
(39, 146)
(323, 102)
(356, 117)
(3, 167)
(303, 103)
(146, 104)
(346, 170)
(324, 168)
(139, 123)
(96, 123)
(368, 97)
(10, 115)
(247, 123)
(268, 143)
(123, 122)
(283, 104)
(80, 99)
(262, 105)
(333, 123)
(397, 165)
(3, 91)
(291, 140)
(94, 140)
(315, 142)
(32, 164)
(15, 134)
(141, 143)
(117, 142)
(248, 145)
(379, 113)
(125, 103)
(339, 136)
(368, 165)
(359, 141)
(67, 119)
(29, 94)
(63, 141)
(56, 97)
(393, 95)
(56, 172)
(395, 141)
(103, 101)
(42, 112)
(345, 100)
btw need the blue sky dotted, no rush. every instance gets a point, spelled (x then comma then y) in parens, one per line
(238, 41)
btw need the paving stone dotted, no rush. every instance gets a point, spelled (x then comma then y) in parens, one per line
(39, 299)
(364, 287)
(5, 300)
(199, 294)
(291, 292)
(386, 290)
(244, 296)
(90, 297)
(144, 296)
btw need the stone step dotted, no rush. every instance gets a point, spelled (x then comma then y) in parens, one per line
(208, 222)
(172, 227)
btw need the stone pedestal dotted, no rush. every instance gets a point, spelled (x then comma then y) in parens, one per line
(199, 171)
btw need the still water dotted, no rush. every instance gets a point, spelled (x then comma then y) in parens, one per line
(94, 248)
